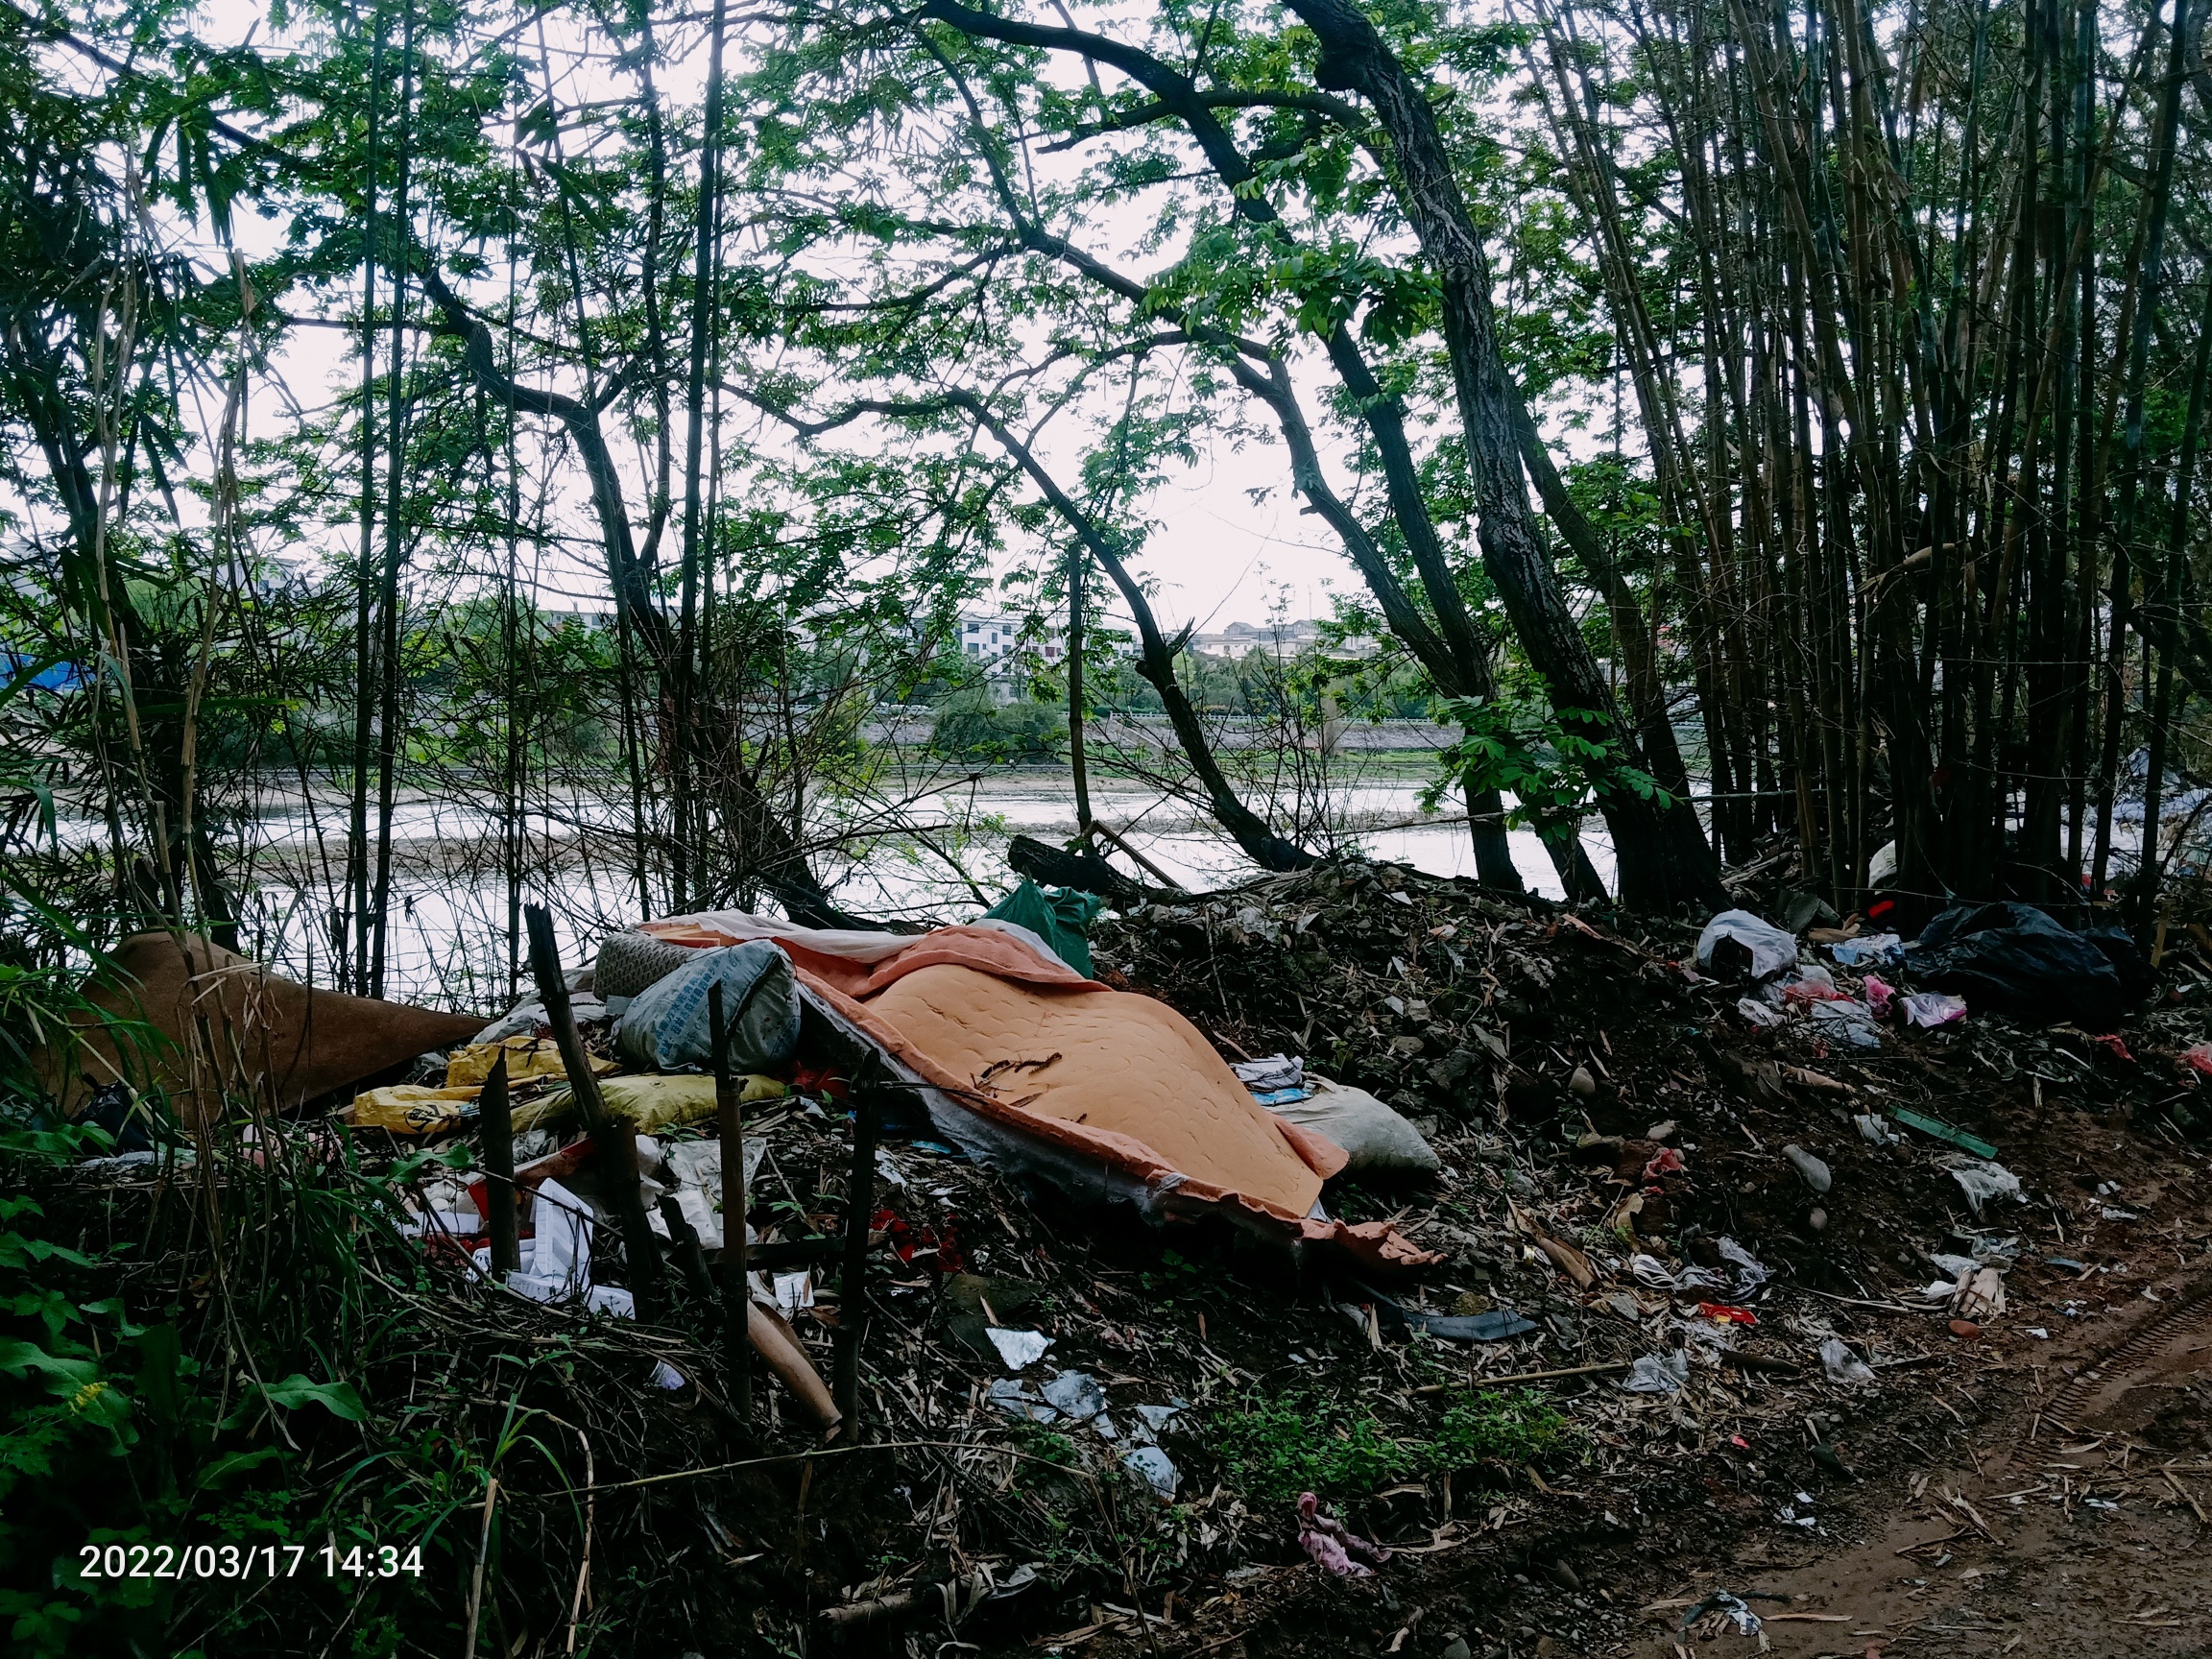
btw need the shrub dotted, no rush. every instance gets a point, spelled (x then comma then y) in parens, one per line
(970, 726)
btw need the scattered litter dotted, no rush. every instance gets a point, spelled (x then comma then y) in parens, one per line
(1943, 1131)
(1852, 1020)
(1869, 950)
(1075, 1395)
(1740, 1273)
(2012, 958)
(1983, 1181)
(1737, 945)
(1874, 1129)
(1745, 1620)
(1980, 1295)
(1019, 1349)
(1750, 1272)
(1724, 1314)
(1657, 1373)
(557, 1263)
(1158, 1418)
(1757, 1012)
(1879, 995)
(1812, 986)
(1494, 1326)
(1158, 1470)
(1270, 1072)
(1811, 1169)
(1334, 1547)
(1844, 1368)
(1929, 1009)
(1013, 1397)
(794, 1292)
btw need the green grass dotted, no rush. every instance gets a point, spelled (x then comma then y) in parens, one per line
(1273, 1449)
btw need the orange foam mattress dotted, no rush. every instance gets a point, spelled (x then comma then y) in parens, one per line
(1024, 1060)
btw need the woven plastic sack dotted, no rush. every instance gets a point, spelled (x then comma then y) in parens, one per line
(1378, 1140)
(630, 961)
(665, 1027)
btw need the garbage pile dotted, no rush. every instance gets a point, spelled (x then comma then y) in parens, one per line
(1661, 1196)
(1445, 1000)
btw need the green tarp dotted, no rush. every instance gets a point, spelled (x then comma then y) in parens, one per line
(1057, 915)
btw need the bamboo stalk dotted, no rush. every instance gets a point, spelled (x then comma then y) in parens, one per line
(617, 1153)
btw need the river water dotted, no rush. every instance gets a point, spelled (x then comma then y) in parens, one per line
(448, 940)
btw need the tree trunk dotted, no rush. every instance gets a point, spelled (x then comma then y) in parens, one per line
(1653, 871)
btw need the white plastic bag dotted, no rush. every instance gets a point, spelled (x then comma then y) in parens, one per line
(1771, 950)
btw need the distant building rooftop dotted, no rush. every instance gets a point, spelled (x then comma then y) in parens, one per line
(1279, 639)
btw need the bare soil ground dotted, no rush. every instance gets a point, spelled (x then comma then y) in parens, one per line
(2071, 1523)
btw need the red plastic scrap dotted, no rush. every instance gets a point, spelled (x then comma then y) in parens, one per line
(1667, 1161)
(1808, 991)
(937, 1247)
(2199, 1057)
(814, 1079)
(2112, 1045)
(1722, 1313)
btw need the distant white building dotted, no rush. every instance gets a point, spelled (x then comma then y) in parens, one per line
(1280, 640)
(994, 641)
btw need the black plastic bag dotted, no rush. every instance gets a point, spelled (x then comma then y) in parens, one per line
(2011, 958)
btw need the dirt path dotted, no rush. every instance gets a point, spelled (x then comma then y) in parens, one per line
(2082, 1530)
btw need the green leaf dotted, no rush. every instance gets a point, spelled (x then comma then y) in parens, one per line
(299, 1389)
(64, 1376)
(237, 1463)
(159, 1352)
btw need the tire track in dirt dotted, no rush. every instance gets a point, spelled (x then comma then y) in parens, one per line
(2117, 1367)
(2076, 1538)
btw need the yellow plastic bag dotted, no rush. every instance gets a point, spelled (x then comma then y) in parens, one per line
(527, 1057)
(410, 1108)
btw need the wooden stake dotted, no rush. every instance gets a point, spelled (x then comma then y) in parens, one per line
(851, 1284)
(496, 1124)
(736, 1315)
(618, 1151)
(1158, 874)
(691, 1260)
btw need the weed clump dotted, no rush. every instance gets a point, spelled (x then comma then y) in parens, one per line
(1273, 1449)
